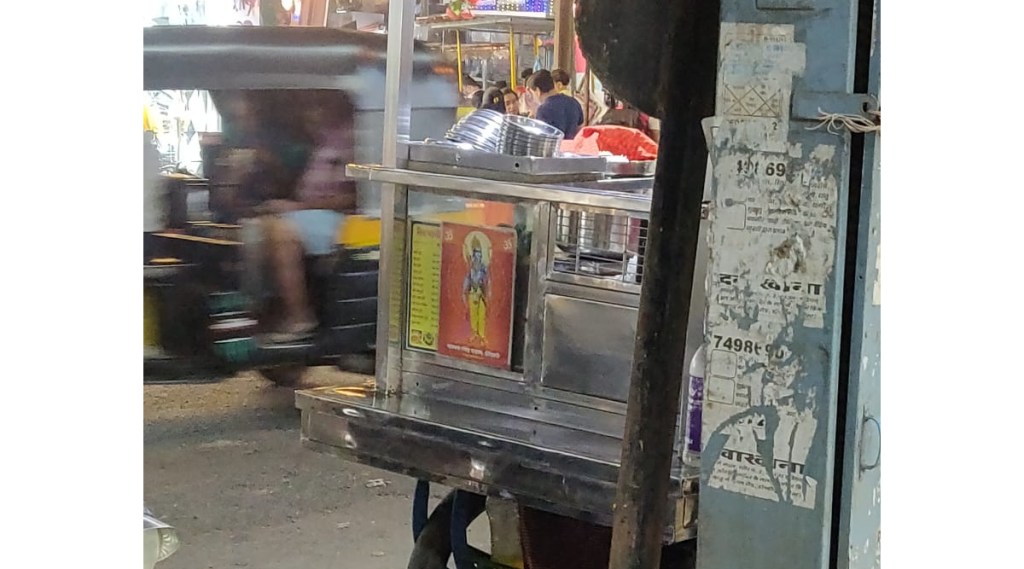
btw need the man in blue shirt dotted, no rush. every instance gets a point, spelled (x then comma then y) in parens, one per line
(558, 110)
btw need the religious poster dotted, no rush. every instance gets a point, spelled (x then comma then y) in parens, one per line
(477, 280)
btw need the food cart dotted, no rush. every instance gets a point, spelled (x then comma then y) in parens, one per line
(520, 403)
(529, 402)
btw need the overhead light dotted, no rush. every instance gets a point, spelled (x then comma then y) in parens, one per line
(288, 4)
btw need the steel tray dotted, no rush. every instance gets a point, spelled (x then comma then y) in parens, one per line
(441, 158)
(632, 169)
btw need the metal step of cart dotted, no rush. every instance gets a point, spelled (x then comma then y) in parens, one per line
(539, 462)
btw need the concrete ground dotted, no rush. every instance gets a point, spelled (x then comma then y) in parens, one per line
(224, 465)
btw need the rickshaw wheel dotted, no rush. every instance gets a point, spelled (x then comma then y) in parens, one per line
(284, 376)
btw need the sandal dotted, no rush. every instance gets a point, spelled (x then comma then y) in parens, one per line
(296, 334)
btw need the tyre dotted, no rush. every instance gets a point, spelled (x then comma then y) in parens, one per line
(434, 546)
(433, 549)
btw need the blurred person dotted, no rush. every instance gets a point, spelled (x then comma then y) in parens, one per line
(269, 147)
(246, 156)
(477, 99)
(527, 102)
(511, 101)
(524, 76)
(621, 113)
(563, 84)
(558, 110)
(264, 153)
(307, 220)
(470, 89)
(492, 100)
(287, 166)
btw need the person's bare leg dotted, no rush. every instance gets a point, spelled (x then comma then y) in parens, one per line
(285, 253)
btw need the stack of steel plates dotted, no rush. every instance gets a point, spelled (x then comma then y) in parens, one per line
(480, 129)
(522, 136)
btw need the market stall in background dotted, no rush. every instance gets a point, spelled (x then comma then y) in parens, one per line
(490, 47)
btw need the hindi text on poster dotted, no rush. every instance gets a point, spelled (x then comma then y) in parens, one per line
(424, 285)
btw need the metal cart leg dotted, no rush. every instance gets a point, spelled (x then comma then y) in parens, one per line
(506, 545)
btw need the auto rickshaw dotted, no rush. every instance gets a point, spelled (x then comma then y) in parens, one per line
(201, 320)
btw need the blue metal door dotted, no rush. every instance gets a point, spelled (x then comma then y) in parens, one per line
(788, 286)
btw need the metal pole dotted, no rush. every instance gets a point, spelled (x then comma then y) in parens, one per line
(458, 57)
(398, 76)
(512, 64)
(586, 94)
(564, 34)
(686, 94)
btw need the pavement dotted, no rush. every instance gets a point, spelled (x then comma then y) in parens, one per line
(224, 465)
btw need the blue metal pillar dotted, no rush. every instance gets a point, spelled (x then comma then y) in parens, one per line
(790, 407)
(857, 544)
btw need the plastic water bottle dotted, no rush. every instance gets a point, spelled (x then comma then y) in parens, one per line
(694, 409)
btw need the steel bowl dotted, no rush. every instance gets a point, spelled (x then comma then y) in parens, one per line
(480, 129)
(523, 136)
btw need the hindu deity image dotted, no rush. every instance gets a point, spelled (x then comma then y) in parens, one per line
(475, 288)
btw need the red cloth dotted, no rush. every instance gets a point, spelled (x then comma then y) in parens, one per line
(618, 140)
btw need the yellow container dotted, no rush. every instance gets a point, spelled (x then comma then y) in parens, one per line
(150, 319)
(359, 232)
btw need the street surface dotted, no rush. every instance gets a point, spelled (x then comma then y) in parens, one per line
(224, 465)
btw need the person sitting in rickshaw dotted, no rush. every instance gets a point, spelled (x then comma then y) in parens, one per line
(308, 221)
(293, 187)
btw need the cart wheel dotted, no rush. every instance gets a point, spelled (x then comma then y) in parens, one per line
(284, 376)
(433, 547)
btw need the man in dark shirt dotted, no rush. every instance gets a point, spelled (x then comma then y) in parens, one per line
(558, 110)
